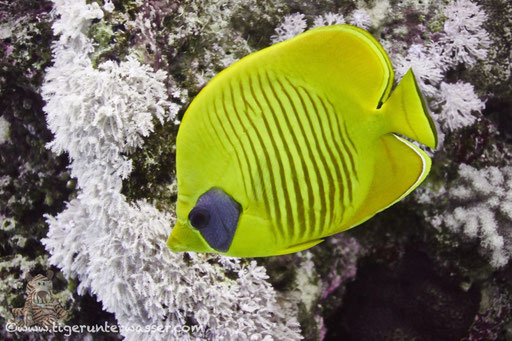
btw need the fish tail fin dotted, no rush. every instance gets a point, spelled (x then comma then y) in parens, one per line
(408, 114)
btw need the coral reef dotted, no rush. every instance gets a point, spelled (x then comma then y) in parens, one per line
(33, 180)
(88, 184)
(99, 116)
(479, 205)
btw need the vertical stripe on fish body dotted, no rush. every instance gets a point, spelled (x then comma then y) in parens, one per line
(286, 146)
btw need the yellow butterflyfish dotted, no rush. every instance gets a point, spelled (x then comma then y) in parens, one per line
(297, 142)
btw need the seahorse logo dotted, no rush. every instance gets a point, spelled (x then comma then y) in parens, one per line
(41, 308)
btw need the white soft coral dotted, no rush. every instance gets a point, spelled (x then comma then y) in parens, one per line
(292, 25)
(426, 66)
(360, 18)
(460, 103)
(464, 40)
(483, 210)
(118, 249)
(328, 19)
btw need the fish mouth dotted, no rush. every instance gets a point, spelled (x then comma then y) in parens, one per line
(173, 241)
(175, 245)
(184, 238)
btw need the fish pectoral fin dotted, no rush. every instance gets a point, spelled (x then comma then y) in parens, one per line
(400, 167)
(299, 247)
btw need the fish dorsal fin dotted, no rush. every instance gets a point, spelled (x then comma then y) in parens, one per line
(400, 167)
(342, 60)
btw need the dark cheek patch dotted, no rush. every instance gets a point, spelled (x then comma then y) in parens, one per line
(222, 221)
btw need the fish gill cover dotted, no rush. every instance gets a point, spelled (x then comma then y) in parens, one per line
(117, 81)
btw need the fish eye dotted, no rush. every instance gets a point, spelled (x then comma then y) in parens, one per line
(199, 217)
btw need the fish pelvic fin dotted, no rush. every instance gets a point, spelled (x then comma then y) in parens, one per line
(407, 113)
(298, 247)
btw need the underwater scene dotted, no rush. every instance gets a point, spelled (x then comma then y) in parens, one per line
(271, 170)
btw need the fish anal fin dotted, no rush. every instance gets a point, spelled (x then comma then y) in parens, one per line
(299, 247)
(400, 167)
